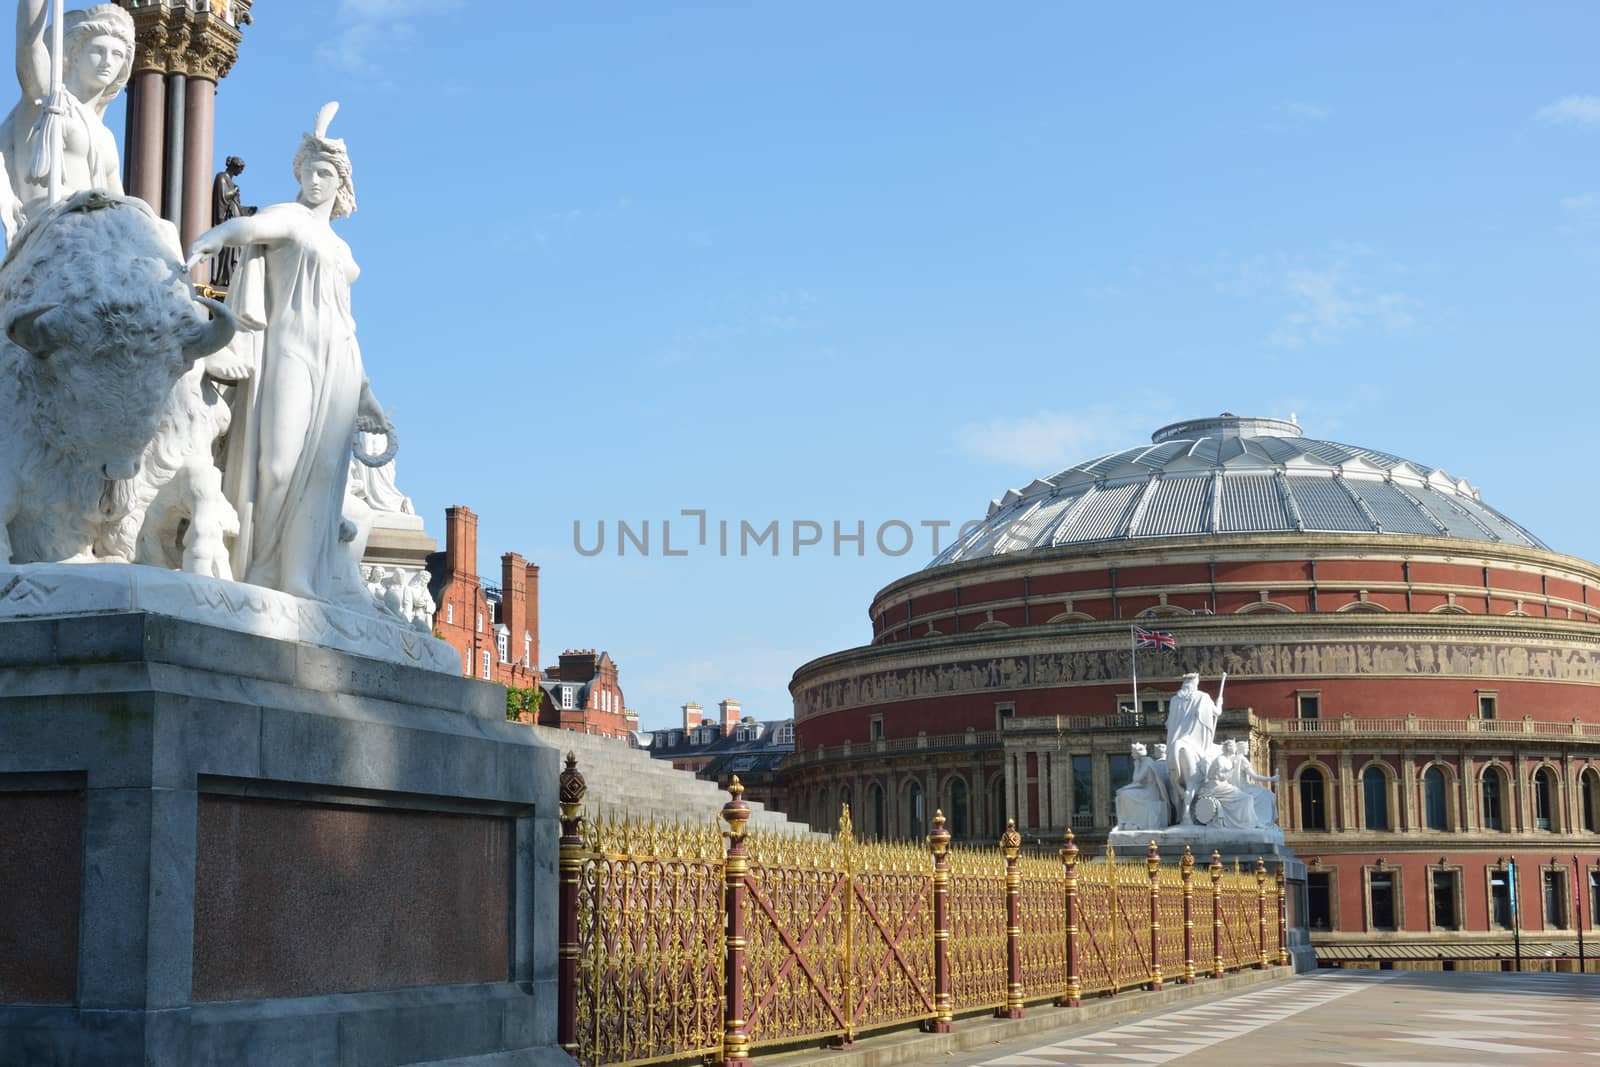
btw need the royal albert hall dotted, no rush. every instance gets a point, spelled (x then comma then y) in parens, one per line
(1420, 672)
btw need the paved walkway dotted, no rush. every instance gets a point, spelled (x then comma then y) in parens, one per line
(1349, 1019)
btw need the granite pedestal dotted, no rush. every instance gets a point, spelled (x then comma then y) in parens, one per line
(227, 848)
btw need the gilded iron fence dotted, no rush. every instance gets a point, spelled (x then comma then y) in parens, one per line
(681, 942)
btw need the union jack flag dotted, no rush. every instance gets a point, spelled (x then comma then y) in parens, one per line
(1153, 638)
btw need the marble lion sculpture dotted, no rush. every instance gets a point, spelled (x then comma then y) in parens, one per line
(100, 321)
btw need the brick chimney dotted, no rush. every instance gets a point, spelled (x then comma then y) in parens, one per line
(531, 611)
(460, 541)
(729, 710)
(514, 601)
(691, 715)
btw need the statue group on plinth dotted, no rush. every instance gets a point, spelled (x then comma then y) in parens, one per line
(1194, 787)
(147, 424)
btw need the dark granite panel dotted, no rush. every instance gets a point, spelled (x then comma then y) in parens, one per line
(296, 899)
(41, 877)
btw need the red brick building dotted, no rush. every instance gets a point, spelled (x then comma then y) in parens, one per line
(581, 693)
(494, 627)
(1420, 671)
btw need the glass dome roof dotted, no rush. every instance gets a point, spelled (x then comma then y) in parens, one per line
(1234, 474)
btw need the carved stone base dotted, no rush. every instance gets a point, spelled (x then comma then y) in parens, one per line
(1202, 838)
(67, 589)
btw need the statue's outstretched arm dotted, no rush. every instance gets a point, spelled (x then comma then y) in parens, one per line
(268, 227)
(33, 59)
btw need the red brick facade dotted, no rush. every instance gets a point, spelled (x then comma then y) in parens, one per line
(582, 694)
(495, 630)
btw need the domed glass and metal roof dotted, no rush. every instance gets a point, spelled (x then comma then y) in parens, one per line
(1234, 474)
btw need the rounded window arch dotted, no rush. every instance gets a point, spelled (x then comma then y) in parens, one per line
(1494, 798)
(1436, 799)
(1375, 797)
(1546, 800)
(916, 815)
(1313, 790)
(958, 807)
(1589, 800)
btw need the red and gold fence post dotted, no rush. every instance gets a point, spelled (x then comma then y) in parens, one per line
(1186, 871)
(943, 1020)
(572, 790)
(1261, 915)
(1283, 920)
(1216, 914)
(1152, 864)
(1073, 997)
(1011, 846)
(735, 1035)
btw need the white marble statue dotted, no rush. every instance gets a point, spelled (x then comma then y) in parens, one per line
(100, 322)
(1143, 803)
(1191, 723)
(98, 43)
(1219, 801)
(288, 456)
(1265, 801)
(376, 485)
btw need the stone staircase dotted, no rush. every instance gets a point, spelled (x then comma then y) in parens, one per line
(627, 781)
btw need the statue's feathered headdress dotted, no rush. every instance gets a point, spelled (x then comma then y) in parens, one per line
(318, 145)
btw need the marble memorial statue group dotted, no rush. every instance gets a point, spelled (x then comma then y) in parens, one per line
(1193, 785)
(145, 423)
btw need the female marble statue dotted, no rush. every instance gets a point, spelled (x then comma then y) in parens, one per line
(98, 43)
(1245, 777)
(304, 392)
(1220, 801)
(1142, 804)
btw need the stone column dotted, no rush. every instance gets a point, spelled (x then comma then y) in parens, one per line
(1469, 792)
(1046, 808)
(1347, 793)
(1285, 790)
(198, 133)
(1520, 789)
(172, 191)
(1408, 791)
(146, 137)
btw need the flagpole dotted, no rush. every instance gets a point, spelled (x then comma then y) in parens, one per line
(1133, 651)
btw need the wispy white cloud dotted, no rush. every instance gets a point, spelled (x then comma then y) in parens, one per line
(1572, 111)
(1055, 438)
(1583, 207)
(1321, 298)
(1302, 112)
(366, 32)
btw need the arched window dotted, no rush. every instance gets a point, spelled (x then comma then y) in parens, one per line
(1589, 799)
(957, 818)
(916, 818)
(875, 812)
(1375, 797)
(1544, 799)
(1494, 794)
(1435, 808)
(1313, 800)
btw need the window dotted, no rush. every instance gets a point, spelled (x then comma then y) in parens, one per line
(1499, 898)
(1002, 712)
(1381, 898)
(480, 622)
(1375, 798)
(527, 650)
(567, 693)
(1589, 799)
(1494, 799)
(875, 728)
(957, 823)
(1544, 798)
(1082, 786)
(916, 819)
(1443, 886)
(1313, 805)
(1319, 900)
(1435, 811)
(502, 644)
(1488, 703)
(450, 614)
(784, 734)
(1594, 896)
(1308, 703)
(1553, 881)
(488, 664)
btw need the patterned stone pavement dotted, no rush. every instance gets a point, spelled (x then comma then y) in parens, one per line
(1349, 1019)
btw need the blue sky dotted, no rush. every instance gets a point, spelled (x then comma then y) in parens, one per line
(883, 261)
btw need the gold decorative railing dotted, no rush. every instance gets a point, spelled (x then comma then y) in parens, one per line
(683, 941)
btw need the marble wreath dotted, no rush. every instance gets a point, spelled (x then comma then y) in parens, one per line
(1193, 783)
(146, 425)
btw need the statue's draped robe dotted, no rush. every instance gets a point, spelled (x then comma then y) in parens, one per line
(293, 304)
(84, 132)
